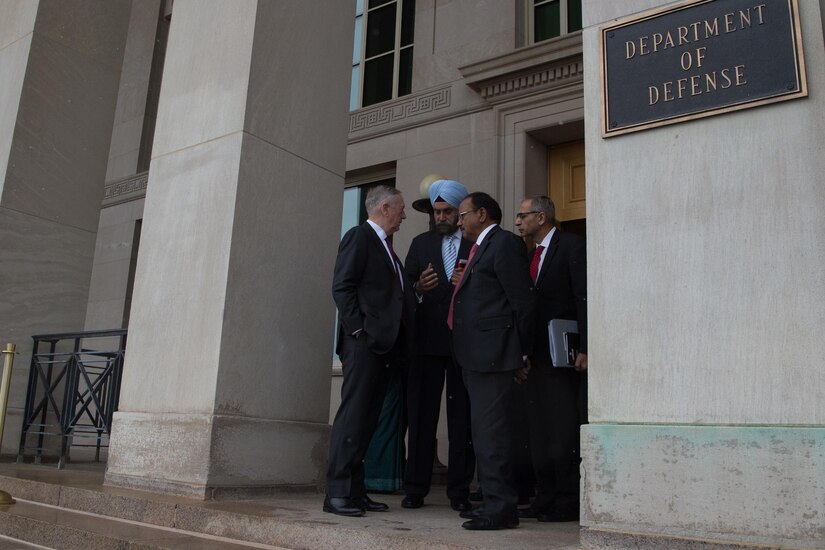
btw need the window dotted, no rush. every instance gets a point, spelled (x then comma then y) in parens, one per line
(551, 18)
(382, 51)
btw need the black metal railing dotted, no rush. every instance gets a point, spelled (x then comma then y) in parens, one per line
(73, 392)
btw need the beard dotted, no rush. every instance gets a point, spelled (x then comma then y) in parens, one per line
(445, 228)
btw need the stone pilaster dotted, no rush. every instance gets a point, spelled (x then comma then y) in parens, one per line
(226, 382)
(60, 64)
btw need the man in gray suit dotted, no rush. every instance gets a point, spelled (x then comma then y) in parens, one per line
(492, 318)
(376, 306)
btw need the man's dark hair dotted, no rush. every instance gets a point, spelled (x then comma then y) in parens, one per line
(488, 203)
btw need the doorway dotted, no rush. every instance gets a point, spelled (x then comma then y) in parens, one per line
(567, 186)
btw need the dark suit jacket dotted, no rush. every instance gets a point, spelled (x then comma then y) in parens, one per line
(495, 308)
(432, 335)
(367, 292)
(561, 287)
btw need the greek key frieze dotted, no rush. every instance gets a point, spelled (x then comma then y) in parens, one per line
(134, 185)
(401, 109)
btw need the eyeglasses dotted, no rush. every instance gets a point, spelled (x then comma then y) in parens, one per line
(522, 215)
(461, 214)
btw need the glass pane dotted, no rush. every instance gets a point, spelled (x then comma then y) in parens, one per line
(407, 22)
(380, 30)
(377, 80)
(359, 7)
(547, 21)
(352, 209)
(356, 45)
(574, 15)
(405, 72)
(376, 3)
(353, 90)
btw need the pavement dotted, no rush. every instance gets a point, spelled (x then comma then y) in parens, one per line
(77, 495)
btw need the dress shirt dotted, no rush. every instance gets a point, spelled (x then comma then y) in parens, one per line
(383, 236)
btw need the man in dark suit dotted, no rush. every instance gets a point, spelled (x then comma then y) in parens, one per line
(492, 317)
(559, 270)
(376, 306)
(435, 262)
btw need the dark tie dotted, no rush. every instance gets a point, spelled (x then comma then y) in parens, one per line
(397, 278)
(455, 290)
(534, 263)
(394, 263)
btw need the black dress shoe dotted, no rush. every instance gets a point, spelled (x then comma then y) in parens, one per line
(342, 506)
(412, 501)
(369, 505)
(557, 516)
(470, 514)
(461, 504)
(528, 513)
(487, 523)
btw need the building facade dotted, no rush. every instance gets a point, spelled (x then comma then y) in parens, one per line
(187, 172)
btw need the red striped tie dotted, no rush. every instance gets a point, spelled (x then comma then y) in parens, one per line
(455, 290)
(534, 263)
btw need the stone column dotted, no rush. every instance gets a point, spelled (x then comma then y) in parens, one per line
(226, 383)
(706, 263)
(60, 64)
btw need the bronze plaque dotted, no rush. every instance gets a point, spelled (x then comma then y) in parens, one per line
(699, 58)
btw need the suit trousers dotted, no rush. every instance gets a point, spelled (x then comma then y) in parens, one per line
(424, 387)
(366, 377)
(553, 402)
(491, 402)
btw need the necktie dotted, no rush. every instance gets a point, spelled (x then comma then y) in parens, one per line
(394, 262)
(398, 277)
(534, 263)
(448, 254)
(455, 290)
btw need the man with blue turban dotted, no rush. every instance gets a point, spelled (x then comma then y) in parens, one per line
(435, 262)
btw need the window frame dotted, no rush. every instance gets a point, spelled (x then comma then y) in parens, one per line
(530, 16)
(362, 11)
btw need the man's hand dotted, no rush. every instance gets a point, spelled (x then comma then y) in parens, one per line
(521, 374)
(427, 281)
(457, 272)
(581, 362)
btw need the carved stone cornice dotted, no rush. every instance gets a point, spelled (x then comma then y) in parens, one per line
(399, 112)
(529, 70)
(126, 189)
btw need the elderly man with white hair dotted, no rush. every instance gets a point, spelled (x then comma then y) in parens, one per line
(435, 262)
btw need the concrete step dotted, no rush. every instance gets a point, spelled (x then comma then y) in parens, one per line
(55, 527)
(288, 520)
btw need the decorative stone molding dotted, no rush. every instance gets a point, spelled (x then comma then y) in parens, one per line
(527, 70)
(525, 83)
(124, 190)
(400, 109)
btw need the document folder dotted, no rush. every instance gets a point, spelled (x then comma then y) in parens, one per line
(564, 342)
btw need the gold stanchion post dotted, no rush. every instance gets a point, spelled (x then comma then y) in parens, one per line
(8, 363)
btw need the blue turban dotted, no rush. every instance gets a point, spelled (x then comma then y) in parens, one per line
(449, 191)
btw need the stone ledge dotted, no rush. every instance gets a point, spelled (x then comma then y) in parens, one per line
(292, 520)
